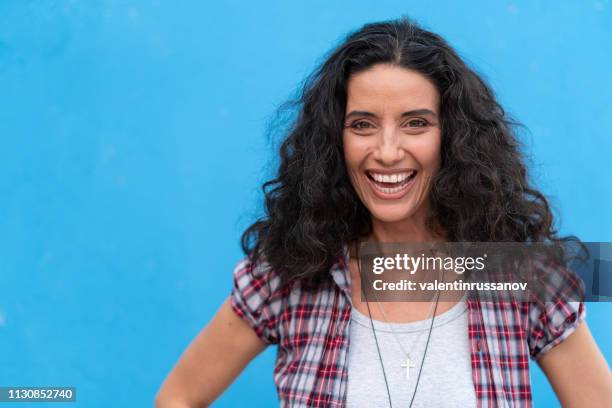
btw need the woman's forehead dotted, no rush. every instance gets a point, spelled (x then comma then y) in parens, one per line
(386, 87)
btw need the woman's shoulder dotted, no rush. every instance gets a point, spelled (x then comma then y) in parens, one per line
(250, 271)
(264, 300)
(256, 298)
(256, 281)
(557, 308)
(258, 275)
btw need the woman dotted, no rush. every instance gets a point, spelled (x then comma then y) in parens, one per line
(397, 140)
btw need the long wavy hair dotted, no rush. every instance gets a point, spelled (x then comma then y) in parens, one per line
(481, 192)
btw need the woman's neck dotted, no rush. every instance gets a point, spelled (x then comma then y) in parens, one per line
(400, 232)
(406, 231)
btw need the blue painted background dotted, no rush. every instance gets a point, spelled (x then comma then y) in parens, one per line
(132, 151)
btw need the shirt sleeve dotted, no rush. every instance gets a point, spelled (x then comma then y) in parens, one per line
(255, 299)
(559, 311)
(551, 323)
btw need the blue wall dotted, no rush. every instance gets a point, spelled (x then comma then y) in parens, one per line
(132, 150)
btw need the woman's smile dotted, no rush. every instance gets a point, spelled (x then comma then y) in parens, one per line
(391, 186)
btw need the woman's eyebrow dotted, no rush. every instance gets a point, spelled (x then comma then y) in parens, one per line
(413, 112)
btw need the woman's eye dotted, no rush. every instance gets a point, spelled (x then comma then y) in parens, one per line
(414, 123)
(418, 123)
(360, 125)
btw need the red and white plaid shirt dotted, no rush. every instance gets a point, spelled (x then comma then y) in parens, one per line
(311, 329)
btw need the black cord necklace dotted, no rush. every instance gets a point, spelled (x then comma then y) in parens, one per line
(376, 339)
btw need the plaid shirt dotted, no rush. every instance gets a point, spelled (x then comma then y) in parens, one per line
(311, 329)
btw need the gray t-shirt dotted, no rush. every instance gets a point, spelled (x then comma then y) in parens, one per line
(446, 377)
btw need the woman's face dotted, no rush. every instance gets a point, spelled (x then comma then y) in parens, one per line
(392, 141)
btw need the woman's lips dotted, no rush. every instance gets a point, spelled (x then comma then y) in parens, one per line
(391, 191)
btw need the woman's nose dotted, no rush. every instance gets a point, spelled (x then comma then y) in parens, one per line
(388, 150)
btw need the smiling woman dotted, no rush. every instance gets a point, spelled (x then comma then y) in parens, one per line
(392, 141)
(397, 140)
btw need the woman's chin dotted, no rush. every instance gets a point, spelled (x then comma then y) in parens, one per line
(393, 214)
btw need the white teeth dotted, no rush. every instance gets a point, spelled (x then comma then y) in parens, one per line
(389, 190)
(391, 178)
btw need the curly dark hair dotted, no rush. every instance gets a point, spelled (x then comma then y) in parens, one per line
(480, 194)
